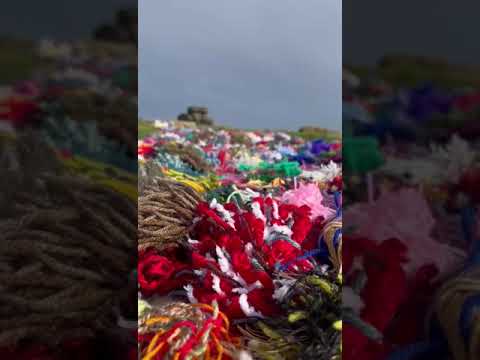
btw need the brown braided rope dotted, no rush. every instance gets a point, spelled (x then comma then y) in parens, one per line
(166, 210)
(66, 253)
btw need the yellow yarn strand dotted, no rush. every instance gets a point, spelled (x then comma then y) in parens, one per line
(218, 346)
(158, 319)
(125, 183)
(212, 309)
(151, 350)
(335, 255)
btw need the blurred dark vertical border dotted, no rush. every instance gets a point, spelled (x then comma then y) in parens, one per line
(68, 181)
(411, 131)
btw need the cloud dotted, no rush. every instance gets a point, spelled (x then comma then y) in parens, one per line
(254, 63)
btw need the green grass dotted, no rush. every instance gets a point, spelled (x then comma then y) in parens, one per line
(324, 134)
(145, 128)
(18, 60)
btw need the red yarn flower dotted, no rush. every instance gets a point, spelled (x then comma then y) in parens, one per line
(18, 112)
(385, 291)
(145, 149)
(157, 274)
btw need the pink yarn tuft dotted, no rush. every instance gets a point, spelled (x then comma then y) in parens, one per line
(310, 195)
(404, 215)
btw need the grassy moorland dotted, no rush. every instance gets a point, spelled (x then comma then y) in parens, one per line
(18, 60)
(146, 128)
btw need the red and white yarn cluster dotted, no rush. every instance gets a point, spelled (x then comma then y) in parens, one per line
(238, 251)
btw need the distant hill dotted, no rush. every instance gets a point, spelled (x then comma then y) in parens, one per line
(406, 70)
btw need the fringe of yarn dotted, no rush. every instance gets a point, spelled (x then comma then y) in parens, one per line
(188, 155)
(311, 326)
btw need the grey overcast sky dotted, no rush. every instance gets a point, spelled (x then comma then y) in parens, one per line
(57, 19)
(439, 28)
(268, 63)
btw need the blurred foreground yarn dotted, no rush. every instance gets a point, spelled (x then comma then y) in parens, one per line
(411, 264)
